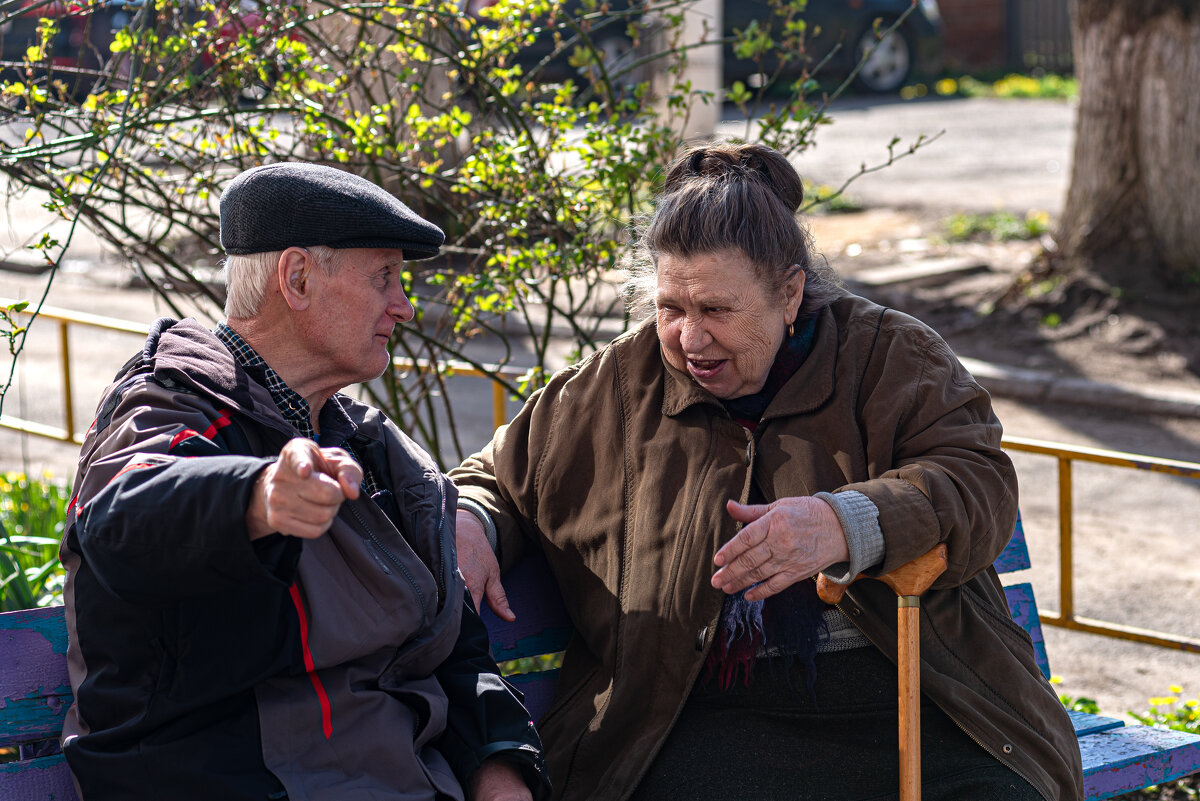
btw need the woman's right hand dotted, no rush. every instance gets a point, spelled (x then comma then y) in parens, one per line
(479, 567)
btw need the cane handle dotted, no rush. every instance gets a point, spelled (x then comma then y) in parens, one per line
(911, 578)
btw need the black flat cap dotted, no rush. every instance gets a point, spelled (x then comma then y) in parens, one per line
(294, 204)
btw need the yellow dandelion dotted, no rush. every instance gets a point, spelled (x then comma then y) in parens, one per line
(1164, 700)
(1175, 688)
(946, 87)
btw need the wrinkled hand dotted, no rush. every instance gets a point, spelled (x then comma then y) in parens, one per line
(300, 494)
(787, 541)
(497, 780)
(479, 567)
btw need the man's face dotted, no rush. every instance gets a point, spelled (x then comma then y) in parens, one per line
(354, 309)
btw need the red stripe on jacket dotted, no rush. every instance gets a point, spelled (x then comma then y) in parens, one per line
(218, 424)
(185, 434)
(310, 666)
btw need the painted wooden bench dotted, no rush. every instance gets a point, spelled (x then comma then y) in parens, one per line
(35, 692)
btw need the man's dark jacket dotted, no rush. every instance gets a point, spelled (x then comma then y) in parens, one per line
(207, 666)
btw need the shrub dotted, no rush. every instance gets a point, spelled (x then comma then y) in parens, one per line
(32, 515)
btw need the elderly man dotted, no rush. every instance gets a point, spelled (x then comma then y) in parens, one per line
(263, 598)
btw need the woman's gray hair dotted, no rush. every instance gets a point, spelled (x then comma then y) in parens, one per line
(248, 276)
(730, 197)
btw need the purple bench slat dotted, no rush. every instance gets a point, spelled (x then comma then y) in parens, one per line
(1133, 757)
(45, 779)
(542, 625)
(538, 689)
(34, 689)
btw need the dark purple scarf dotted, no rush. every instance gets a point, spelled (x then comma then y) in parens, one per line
(790, 623)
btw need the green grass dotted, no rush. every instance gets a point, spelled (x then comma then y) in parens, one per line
(998, 226)
(32, 515)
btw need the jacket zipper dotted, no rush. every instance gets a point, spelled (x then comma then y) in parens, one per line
(961, 727)
(374, 540)
(441, 574)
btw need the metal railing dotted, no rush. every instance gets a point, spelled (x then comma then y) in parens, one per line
(65, 318)
(1066, 456)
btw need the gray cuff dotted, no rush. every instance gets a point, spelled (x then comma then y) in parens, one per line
(485, 519)
(860, 521)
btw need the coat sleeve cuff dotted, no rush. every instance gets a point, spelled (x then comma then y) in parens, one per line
(860, 521)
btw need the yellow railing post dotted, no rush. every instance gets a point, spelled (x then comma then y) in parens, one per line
(1066, 579)
(68, 398)
(499, 411)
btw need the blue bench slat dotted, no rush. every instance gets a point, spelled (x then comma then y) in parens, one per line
(1132, 757)
(35, 691)
(538, 689)
(43, 779)
(1087, 723)
(1023, 607)
(1015, 555)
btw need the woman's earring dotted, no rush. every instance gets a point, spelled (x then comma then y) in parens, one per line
(791, 330)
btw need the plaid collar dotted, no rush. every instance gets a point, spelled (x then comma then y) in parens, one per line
(294, 408)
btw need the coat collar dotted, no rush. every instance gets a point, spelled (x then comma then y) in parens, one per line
(806, 391)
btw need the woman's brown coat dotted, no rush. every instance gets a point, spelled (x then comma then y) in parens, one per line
(620, 469)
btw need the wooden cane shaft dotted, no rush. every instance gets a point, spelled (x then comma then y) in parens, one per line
(908, 659)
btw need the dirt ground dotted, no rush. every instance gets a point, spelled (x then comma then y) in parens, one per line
(1152, 344)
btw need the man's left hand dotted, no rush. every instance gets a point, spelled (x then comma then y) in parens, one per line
(498, 780)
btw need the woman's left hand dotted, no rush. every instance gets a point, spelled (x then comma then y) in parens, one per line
(781, 543)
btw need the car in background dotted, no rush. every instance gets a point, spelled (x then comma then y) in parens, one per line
(844, 31)
(839, 33)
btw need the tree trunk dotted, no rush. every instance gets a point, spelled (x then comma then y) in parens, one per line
(1133, 209)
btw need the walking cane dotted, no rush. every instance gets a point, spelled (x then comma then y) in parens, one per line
(908, 581)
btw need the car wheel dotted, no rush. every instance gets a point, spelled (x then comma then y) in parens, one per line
(889, 65)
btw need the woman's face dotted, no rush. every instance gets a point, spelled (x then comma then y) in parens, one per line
(718, 323)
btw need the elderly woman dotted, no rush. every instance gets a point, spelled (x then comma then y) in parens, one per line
(689, 481)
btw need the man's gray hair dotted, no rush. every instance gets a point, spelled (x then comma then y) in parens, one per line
(248, 276)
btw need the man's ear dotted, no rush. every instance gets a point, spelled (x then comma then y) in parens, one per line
(294, 271)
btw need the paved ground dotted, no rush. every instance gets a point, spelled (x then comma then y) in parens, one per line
(1136, 534)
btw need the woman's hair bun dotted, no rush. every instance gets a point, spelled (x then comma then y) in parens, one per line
(748, 162)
